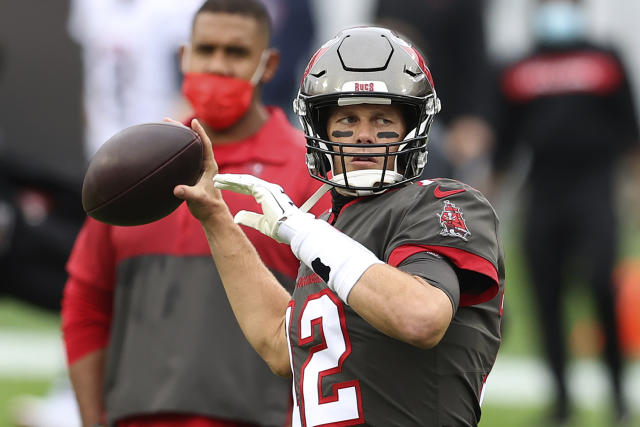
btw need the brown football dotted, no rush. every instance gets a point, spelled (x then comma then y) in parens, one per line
(130, 179)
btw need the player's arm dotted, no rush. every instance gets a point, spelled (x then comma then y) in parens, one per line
(85, 324)
(87, 306)
(401, 305)
(258, 300)
(86, 376)
(398, 304)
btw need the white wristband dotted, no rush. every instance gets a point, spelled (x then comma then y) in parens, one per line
(338, 259)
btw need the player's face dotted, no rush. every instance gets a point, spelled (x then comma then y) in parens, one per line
(365, 124)
(227, 44)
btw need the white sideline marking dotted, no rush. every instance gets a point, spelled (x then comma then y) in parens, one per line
(33, 355)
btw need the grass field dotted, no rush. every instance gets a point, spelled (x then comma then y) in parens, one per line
(520, 339)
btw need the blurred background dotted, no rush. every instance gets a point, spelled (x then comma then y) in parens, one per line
(68, 82)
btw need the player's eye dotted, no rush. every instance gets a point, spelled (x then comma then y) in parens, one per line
(204, 49)
(347, 120)
(382, 121)
(237, 51)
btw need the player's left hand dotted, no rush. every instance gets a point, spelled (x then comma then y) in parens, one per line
(277, 207)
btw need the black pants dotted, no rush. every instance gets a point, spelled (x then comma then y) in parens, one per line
(573, 227)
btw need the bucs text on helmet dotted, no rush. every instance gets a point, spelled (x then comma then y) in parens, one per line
(367, 65)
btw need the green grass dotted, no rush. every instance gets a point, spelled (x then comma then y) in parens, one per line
(528, 416)
(18, 315)
(9, 389)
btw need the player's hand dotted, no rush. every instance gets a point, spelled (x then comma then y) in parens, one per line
(280, 218)
(203, 199)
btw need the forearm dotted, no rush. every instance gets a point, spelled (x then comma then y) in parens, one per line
(402, 306)
(258, 300)
(86, 375)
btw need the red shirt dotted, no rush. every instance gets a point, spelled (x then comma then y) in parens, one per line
(275, 153)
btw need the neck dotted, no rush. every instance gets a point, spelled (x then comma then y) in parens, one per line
(248, 125)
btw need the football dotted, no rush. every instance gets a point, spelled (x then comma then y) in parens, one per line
(130, 179)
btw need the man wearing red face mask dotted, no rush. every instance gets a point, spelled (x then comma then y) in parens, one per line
(150, 337)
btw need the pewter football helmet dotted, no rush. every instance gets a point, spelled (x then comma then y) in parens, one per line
(366, 65)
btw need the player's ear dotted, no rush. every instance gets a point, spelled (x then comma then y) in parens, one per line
(183, 54)
(273, 60)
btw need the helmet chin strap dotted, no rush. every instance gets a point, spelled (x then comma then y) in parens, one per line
(311, 201)
(364, 178)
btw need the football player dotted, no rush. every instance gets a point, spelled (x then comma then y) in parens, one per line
(395, 318)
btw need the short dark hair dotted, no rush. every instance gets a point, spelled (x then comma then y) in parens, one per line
(252, 8)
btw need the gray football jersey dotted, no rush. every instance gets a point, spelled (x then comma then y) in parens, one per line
(348, 373)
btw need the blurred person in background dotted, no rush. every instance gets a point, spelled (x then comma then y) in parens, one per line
(129, 58)
(150, 337)
(451, 35)
(569, 101)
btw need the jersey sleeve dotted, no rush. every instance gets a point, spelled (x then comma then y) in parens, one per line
(436, 271)
(88, 294)
(455, 221)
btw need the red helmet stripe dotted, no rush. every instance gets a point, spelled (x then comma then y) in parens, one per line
(312, 62)
(413, 52)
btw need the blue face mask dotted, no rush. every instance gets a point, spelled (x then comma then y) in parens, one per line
(559, 22)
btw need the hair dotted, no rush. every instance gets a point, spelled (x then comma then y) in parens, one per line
(251, 8)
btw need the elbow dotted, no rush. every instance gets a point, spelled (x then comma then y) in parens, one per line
(425, 333)
(427, 340)
(424, 339)
(276, 357)
(279, 366)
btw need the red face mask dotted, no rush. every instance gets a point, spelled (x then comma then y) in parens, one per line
(218, 100)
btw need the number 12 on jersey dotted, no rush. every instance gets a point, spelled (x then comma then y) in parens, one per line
(322, 312)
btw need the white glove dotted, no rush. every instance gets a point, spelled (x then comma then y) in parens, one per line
(276, 206)
(338, 259)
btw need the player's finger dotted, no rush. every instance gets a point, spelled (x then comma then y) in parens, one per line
(175, 122)
(250, 219)
(208, 157)
(233, 182)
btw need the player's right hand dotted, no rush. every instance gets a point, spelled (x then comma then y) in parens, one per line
(203, 199)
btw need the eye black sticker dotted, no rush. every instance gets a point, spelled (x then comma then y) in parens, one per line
(341, 134)
(388, 135)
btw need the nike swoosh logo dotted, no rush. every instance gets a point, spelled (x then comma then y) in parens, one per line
(440, 193)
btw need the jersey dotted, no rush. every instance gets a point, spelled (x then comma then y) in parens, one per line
(348, 373)
(570, 105)
(174, 344)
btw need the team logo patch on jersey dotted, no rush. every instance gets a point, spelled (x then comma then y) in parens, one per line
(452, 223)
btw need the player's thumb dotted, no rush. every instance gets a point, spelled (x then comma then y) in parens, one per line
(183, 192)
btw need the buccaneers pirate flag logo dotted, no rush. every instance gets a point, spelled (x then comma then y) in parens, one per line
(452, 223)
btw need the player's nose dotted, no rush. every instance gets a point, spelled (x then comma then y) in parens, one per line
(365, 134)
(217, 64)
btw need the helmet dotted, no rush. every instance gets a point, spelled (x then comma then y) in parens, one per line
(366, 65)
